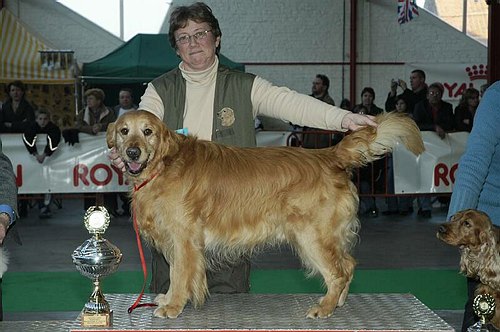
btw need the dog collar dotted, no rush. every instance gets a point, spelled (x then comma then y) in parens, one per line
(137, 188)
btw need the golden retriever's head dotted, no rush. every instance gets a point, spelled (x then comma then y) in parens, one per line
(466, 229)
(142, 141)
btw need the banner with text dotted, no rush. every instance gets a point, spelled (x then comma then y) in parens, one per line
(85, 167)
(80, 168)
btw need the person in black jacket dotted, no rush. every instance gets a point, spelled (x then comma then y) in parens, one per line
(42, 125)
(16, 114)
(372, 175)
(417, 93)
(433, 114)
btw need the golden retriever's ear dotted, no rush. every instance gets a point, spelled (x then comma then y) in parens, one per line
(110, 135)
(169, 145)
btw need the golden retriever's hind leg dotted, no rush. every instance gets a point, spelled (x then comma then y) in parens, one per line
(336, 268)
(345, 291)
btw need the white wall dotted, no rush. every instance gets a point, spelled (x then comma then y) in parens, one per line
(306, 34)
(263, 31)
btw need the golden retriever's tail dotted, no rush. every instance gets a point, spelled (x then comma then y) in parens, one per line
(369, 144)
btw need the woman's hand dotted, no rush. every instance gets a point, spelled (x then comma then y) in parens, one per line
(353, 121)
(116, 160)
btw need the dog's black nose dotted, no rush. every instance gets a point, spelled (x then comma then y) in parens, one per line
(442, 229)
(134, 153)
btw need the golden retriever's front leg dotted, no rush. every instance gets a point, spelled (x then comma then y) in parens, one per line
(187, 280)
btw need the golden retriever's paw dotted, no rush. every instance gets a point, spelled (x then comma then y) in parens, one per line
(319, 312)
(168, 311)
(161, 299)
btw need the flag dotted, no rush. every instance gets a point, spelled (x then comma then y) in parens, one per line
(407, 10)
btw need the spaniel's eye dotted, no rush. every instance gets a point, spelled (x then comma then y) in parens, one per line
(124, 131)
(148, 132)
(467, 223)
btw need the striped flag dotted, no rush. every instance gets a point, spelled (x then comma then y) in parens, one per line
(407, 10)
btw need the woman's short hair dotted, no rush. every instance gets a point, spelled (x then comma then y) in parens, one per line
(369, 90)
(17, 84)
(97, 93)
(198, 12)
(41, 111)
(437, 85)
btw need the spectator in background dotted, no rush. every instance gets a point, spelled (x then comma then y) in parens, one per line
(417, 93)
(346, 104)
(371, 176)
(16, 113)
(42, 125)
(314, 138)
(396, 205)
(433, 114)
(125, 102)
(466, 110)
(478, 175)
(368, 101)
(320, 86)
(8, 203)
(95, 117)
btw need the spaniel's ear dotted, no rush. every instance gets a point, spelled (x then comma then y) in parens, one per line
(111, 135)
(486, 236)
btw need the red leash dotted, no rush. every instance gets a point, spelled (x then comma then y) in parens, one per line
(137, 303)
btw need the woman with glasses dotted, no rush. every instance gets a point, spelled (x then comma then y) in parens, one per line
(433, 114)
(216, 103)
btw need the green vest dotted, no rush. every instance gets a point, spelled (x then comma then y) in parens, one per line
(233, 122)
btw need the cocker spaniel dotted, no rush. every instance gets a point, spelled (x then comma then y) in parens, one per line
(196, 200)
(478, 240)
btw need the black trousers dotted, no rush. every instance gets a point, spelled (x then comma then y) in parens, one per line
(229, 279)
(470, 317)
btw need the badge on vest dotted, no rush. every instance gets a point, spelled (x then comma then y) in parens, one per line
(226, 115)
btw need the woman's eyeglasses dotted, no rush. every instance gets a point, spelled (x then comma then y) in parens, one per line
(186, 39)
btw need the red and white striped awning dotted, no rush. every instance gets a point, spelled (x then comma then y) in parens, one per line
(20, 57)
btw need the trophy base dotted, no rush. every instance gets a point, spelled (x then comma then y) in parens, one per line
(97, 320)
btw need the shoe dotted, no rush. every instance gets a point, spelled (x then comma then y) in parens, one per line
(45, 213)
(390, 213)
(373, 213)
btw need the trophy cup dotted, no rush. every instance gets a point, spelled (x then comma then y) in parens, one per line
(484, 308)
(96, 258)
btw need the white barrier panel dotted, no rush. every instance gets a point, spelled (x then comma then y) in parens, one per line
(85, 167)
(81, 168)
(434, 170)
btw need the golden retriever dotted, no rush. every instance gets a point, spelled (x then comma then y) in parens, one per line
(478, 240)
(196, 199)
